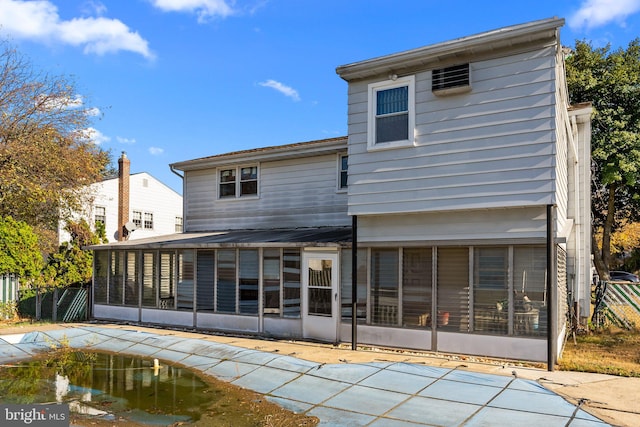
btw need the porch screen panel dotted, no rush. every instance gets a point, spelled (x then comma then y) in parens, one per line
(384, 286)
(291, 274)
(149, 279)
(345, 284)
(416, 287)
(205, 265)
(185, 279)
(100, 276)
(116, 278)
(271, 282)
(248, 273)
(167, 280)
(491, 290)
(452, 313)
(226, 286)
(132, 285)
(529, 290)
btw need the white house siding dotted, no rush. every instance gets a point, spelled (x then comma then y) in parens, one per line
(301, 192)
(491, 147)
(147, 194)
(156, 198)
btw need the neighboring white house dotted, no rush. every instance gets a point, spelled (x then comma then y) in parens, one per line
(154, 209)
(463, 184)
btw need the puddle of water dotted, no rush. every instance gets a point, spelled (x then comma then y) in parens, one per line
(105, 389)
(109, 386)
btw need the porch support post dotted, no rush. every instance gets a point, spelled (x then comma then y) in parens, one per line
(354, 282)
(551, 294)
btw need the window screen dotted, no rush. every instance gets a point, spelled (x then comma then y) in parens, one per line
(226, 286)
(384, 286)
(392, 114)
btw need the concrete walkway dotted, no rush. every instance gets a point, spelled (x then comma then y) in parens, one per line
(362, 388)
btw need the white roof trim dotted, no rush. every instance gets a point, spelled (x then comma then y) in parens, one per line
(482, 42)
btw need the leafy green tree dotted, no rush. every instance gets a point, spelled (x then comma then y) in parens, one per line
(610, 80)
(71, 264)
(46, 154)
(19, 251)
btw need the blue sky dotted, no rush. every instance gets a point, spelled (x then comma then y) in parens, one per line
(175, 80)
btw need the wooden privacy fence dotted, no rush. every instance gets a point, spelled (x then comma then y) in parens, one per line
(617, 304)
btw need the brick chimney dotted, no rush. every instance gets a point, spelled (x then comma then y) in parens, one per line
(124, 166)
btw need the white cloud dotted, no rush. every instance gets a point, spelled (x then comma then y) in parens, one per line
(94, 7)
(596, 13)
(123, 140)
(95, 135)
(156, 151)
(59, 103)
(205, 9)
(39, 21)
(93, 112)
(284, 89)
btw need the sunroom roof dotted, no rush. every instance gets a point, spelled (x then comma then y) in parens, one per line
(294, 237)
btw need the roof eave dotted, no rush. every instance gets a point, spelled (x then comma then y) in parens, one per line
(281, 152)
(474, 44)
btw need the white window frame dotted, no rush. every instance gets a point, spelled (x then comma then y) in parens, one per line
(373, 89)
(238, 182)
(147, 221)
(137, 218)
(100, 215)
(339, 187)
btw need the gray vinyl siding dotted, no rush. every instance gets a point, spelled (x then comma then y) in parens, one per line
(494, 146)
(564, 161)
(300, 192)
(432, 228)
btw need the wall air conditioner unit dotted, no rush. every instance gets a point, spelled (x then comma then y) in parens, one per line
(451, 80)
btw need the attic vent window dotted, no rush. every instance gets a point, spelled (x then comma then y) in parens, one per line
(453, 79)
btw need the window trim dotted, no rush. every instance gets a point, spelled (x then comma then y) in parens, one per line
(340, 188)
(372, 90)
(238, 182)
(102, 215)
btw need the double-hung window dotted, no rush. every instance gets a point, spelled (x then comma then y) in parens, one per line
(344, 172)
(100, 215)
(238, 182)
(391, 113)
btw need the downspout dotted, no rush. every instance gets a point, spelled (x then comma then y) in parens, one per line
(551, 358)
(174, 171)
(354, 282)
(184, 199)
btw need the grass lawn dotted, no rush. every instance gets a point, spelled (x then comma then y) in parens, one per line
(611, 351)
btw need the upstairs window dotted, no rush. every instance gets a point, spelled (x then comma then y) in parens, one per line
(249, 181)
(178, 224)
(453, 79)
(247, 184)
(228, 183)
(100, 215)
(137, 219)
(343, 167)
(391, 113)
(148, 221)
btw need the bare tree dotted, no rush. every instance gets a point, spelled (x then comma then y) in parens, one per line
(46, 156)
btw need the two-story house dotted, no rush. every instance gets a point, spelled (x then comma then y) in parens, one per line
(456, 212)
(130, 206)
